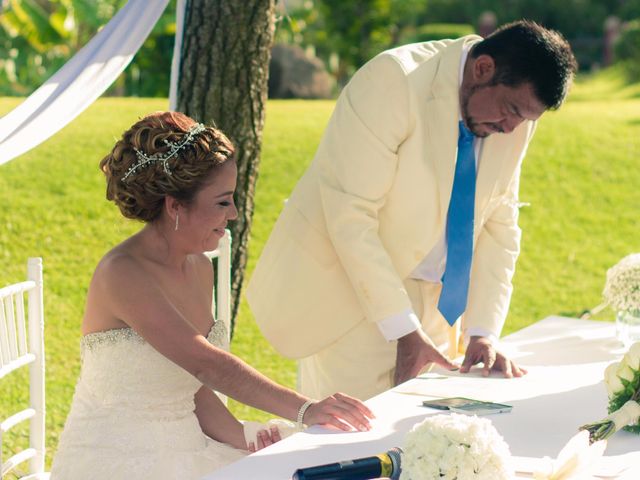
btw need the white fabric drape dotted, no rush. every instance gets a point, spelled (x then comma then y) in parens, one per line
(175, 63)
(80, 81)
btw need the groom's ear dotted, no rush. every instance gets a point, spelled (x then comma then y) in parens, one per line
(484, 68)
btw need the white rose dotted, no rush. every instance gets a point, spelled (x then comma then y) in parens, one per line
(624, 371)
(632, 357)
(611, 380)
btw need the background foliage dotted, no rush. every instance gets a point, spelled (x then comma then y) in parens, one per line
(328, 27)
(38, 36)
(628, 50)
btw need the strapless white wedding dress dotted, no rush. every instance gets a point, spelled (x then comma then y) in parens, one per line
(133, 416)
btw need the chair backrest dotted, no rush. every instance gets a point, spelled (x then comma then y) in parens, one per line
(221, 256)
(22, 345)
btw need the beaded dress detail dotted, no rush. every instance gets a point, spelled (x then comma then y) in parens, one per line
(132, 415)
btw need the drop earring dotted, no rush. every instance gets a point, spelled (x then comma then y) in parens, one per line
(177, 221)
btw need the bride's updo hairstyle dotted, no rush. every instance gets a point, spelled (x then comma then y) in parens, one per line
(165, 153)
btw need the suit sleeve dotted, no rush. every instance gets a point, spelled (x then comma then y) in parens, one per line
(357, 164)
(494, 260)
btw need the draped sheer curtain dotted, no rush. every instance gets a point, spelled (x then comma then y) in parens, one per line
(85, 77)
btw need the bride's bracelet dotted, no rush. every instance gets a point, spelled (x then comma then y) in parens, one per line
(303, 409)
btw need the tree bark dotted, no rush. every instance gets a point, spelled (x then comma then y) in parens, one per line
(223, 80)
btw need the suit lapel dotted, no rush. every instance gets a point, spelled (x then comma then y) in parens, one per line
(497, 160)
(490, 165)
(444, 147)
(442, 121)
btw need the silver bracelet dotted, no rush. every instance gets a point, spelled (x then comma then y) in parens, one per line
(303, 409)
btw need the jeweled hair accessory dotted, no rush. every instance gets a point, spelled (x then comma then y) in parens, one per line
(174, 148)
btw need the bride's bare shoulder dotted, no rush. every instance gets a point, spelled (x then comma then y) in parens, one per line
(118, 263)
(115, 273)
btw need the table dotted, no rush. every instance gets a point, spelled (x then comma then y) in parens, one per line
(566, 359)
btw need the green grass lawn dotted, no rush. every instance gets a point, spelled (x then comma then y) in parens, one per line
(581, 177)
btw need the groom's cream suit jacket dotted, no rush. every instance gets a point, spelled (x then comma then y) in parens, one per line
(374, 201)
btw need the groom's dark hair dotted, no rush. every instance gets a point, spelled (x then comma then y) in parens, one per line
(525, 52)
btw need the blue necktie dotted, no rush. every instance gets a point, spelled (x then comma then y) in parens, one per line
(455, 281)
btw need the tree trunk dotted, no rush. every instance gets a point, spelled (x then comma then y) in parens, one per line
(223, 81)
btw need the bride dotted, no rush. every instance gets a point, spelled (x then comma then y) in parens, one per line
(152, 354)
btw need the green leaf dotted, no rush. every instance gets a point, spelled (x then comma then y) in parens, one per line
(35, 26)
(58, 20)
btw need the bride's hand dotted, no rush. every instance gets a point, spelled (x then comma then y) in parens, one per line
(341, 411)
(265, 438)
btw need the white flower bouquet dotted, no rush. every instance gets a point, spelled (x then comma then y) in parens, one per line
(460, 447)
(622, 287)
(622, 380)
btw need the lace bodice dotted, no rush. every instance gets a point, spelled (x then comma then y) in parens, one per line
(115, 361)
(133, 414)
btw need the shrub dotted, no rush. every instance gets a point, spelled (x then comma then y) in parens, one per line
(628, 49)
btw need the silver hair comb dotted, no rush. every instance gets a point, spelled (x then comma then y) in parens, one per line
(174, 148)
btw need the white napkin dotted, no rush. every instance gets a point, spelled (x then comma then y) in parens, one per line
(251, 429)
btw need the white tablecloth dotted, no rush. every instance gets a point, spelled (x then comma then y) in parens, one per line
(566, 359)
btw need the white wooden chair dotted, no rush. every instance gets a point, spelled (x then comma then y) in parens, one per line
(221, 307)
(222, 291)
(22, 345)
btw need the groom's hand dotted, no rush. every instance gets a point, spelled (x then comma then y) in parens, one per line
(415, 350)
(481, 350)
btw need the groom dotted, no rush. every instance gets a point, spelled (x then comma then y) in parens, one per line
(400, 241)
